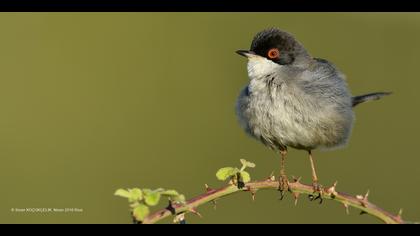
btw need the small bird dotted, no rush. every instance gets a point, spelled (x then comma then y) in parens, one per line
(295, 100)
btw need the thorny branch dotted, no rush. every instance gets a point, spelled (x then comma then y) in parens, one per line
(296, 188)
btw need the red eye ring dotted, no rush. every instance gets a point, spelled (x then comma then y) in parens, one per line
(273, 53)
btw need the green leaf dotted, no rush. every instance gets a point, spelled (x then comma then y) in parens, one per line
(122, 193)
(245, 176)
(169, 193)
(226, 172)
(147, 191)
(141, 212)
(247, 163)
(152, 198)
(179, 199)
(251, 165)
(135, 195)
(134, 205)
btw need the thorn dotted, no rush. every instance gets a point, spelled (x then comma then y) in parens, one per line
(363, 199)
(347, 208)
(297, 180)
(252, 191)
(214, 204)
(296, 196)
(271, 177)
(253, 194)
(400, 214)
(208, 189)
(195, 212)
(332, 190)
(367, 195)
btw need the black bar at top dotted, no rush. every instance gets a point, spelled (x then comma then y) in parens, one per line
(212, 6)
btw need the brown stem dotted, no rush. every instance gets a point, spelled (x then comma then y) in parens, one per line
(359, 202)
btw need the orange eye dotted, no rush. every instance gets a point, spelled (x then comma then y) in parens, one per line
(273, 53)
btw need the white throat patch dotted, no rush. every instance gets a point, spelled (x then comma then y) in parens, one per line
(259, 67)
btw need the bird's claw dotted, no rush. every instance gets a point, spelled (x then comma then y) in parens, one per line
(317, 194)
(283, 186)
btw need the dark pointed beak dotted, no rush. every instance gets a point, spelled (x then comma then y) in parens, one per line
(245, 53)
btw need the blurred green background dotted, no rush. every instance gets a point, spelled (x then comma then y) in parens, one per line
(92, 102)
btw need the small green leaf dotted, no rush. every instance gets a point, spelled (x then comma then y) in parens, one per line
(141, 212)
(225, 173)
(122, 193)
(135, 195)
(152, 198)
(251, 165)
(179, 199)
(245, 177)
(134, 205)
(247, 163)
(169, 193)
(147, 191)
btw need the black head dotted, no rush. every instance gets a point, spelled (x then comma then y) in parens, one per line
(277, 46)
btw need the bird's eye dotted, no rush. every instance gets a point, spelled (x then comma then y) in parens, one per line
(273, 53)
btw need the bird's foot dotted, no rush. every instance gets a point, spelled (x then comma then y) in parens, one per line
(317, 194)
(283, 185)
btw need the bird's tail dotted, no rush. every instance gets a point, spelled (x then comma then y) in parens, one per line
(369, 97)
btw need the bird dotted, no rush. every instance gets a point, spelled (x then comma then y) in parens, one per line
(295, 100)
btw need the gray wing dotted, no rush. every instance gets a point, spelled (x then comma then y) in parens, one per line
(324, 81)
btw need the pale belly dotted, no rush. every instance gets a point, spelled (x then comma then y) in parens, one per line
(285, 121)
